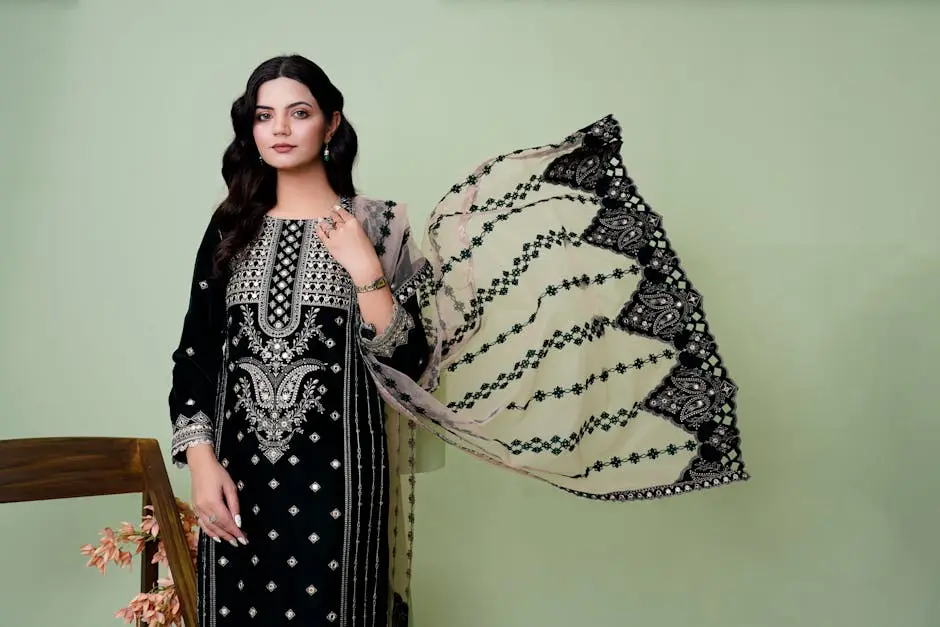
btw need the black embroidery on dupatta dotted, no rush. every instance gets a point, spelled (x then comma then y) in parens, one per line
(697, 395)
(530, 251)
(578, 334)
(635, 458)
(556, 444)
(584, 167)
(500, 287)
(384, 230)
(522, 190)
(621, 368)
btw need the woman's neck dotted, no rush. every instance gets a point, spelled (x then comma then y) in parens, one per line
(304, 193)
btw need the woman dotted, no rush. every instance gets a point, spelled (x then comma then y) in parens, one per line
(275, 412)
(549, 328)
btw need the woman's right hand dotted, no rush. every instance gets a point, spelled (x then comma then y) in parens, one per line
(215, 499)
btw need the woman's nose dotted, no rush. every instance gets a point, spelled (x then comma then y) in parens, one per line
(281, 126)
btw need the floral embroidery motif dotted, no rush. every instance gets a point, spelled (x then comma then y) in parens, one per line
(556, 445)
(277, 353)
(274, 411)
(269, 395)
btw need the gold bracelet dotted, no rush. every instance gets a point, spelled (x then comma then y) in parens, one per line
(377, 284)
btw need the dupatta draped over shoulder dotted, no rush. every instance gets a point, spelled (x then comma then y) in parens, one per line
(568, 341)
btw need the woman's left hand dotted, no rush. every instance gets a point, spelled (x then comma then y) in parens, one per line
(346, 239)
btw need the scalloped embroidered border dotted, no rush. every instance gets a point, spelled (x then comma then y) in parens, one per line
(697, 395)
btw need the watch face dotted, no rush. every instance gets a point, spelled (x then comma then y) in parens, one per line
(379, 283)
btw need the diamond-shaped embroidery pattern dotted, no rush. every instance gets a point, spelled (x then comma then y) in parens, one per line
(285, 270)
(282, 363)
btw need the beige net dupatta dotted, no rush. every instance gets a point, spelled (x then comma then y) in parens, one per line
(568, 341)
(411, 451)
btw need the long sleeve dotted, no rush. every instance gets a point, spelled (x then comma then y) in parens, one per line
(403, 345)
(197, 360)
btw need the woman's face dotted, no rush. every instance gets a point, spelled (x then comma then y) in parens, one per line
(289, 128)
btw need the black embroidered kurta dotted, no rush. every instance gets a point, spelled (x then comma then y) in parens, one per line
(557, 335)
(271, 370)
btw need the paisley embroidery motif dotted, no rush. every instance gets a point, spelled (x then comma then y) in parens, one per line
(697, 394)
(273, 410)
(659, 311)
(269, 395)
(690, 397)
(585, 167)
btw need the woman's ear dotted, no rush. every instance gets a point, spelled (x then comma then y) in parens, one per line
(334, 123)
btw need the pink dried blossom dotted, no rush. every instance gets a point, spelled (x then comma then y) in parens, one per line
(159, 607)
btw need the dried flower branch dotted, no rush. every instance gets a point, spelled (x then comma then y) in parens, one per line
(160, 607)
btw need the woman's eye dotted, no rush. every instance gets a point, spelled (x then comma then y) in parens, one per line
(301, 114)
(263, 116)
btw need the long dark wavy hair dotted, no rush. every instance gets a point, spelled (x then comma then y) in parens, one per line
(252, 184)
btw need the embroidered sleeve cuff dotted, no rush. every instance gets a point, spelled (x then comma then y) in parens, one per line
(188, 432)
(395, 335)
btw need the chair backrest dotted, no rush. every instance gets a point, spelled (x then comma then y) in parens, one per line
(38, 469)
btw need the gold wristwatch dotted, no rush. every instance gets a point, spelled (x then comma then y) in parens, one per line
(377, 284)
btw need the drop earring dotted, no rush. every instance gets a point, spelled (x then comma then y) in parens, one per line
(326, 151)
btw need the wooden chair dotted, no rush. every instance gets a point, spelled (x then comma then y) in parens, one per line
(37, 469)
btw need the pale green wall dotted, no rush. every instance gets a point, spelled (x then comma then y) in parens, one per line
(791, 146)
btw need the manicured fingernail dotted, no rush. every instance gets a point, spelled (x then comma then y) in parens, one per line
(243, 541)
(238, 521)
(216, 538)
(233, 543)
